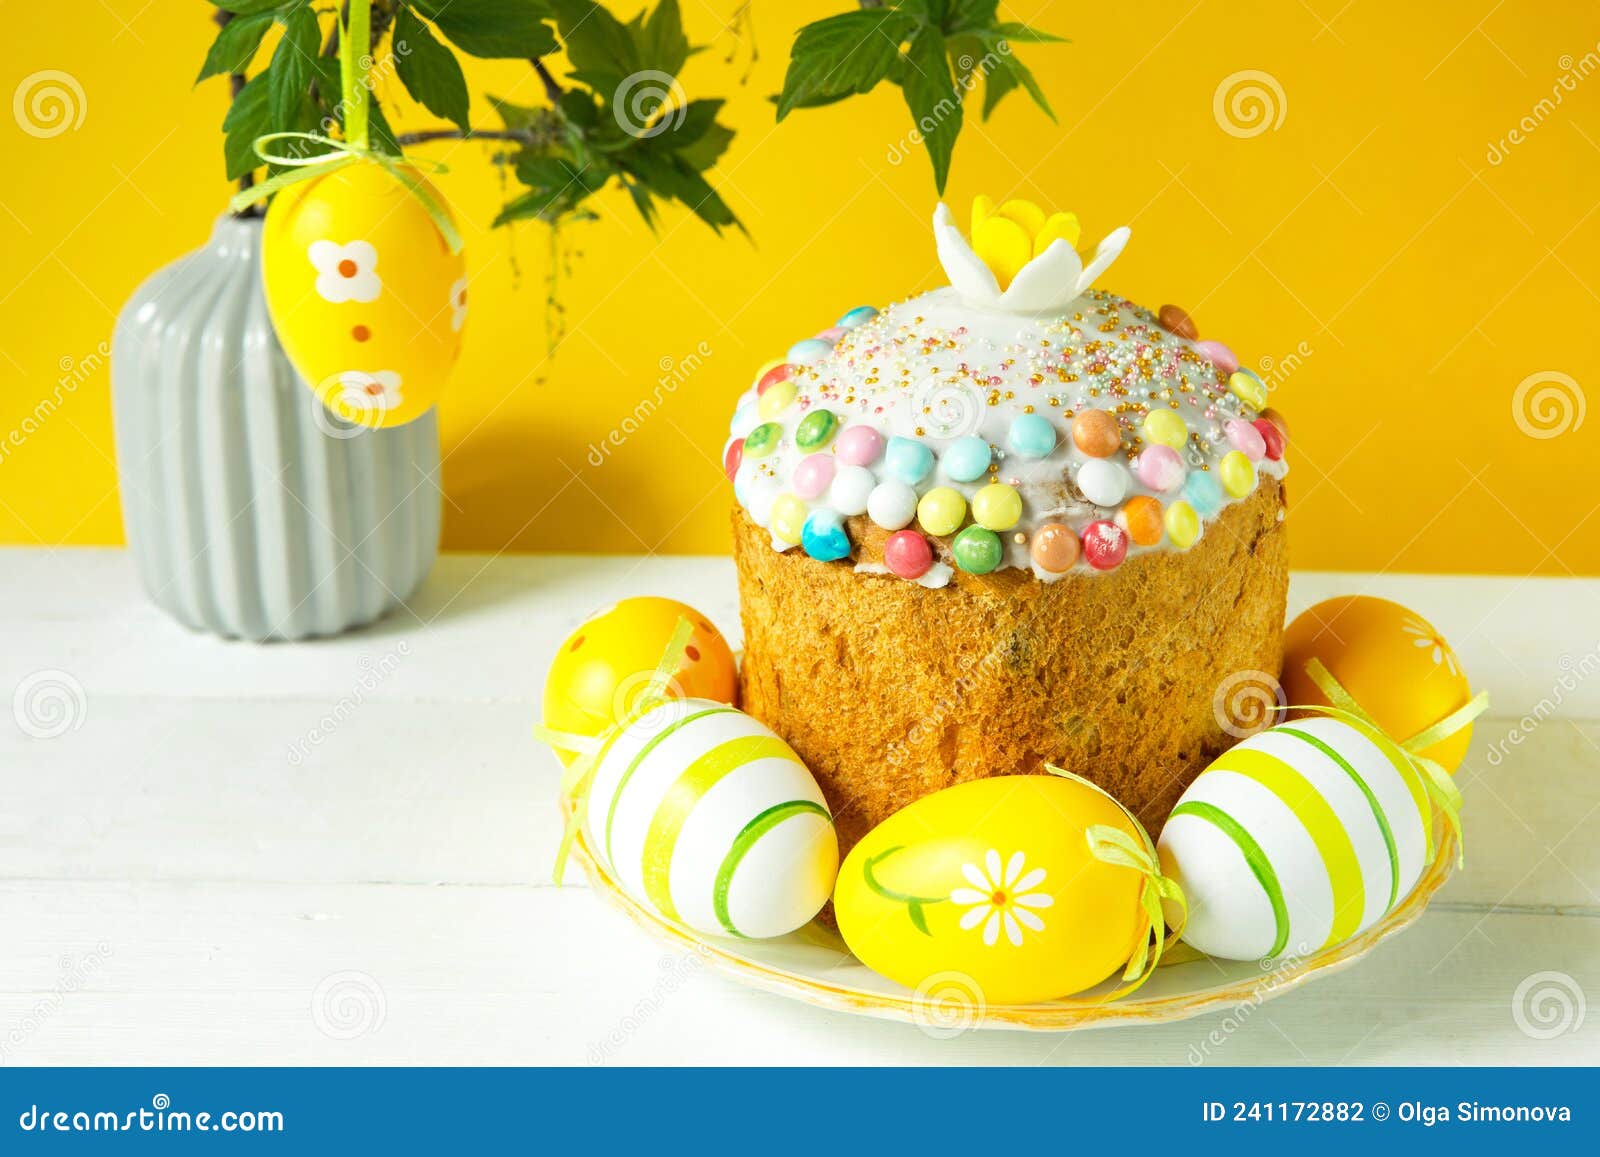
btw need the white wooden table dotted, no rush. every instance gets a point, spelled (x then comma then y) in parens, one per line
(339, 852)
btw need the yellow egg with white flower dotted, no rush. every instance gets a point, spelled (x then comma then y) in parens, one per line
(995, 880)
(364, 292)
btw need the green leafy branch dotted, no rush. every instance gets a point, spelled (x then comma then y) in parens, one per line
(619, 114)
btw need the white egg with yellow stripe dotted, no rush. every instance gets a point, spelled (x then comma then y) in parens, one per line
(704, 815)
(1297, 839)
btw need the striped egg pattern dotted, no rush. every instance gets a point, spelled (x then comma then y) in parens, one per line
(1297, 839)
(704, 815)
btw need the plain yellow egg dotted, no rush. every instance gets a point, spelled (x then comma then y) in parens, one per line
(1390, 659)
(993, 881)
(602, 667)
(364, 293)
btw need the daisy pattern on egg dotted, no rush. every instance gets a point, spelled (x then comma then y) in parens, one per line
(458, 304)
(1425, 638)
(1001, 899)
(347, 272)
(364, 392)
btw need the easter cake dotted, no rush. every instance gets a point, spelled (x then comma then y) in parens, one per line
(1011, 521)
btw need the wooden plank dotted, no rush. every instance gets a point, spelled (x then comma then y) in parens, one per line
(358, 974)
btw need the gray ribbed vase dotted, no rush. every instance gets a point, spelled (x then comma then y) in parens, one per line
(251, 511)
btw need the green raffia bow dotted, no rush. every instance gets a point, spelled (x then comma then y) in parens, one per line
(1436, 781)
(1112, 845)
(579, 776)
(355, 65)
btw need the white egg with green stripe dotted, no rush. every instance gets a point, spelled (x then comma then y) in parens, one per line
(1297, 839)
(704, 815)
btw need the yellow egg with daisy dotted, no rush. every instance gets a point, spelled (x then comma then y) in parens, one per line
(1005, 882)
(1391, 660)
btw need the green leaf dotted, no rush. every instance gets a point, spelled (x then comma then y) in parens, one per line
(429, 70)
(969, 16)
(706, 151)
(934, 101)
(235, 46)
(1026, 34)
(246, 120)
(661, 41)
(248, 7)
(670, 176)
(1009, 72)
(496, 29)
(997, 83)
(842, 55)
(600, 48)
(379, 135)
(291, 70)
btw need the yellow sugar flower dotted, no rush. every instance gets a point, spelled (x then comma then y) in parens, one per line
(1013, 262)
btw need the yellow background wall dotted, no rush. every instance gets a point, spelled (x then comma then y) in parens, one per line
(1403, 282)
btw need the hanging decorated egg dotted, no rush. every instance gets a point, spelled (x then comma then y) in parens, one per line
(364, 292)
(1297, 839)
(705, 816)
(605, 665)
(1391, 661)
(994, 879)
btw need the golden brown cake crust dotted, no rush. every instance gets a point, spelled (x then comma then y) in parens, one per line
(890, 691)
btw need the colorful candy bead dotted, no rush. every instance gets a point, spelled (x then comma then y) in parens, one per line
(851, 489)
(1032, 436)
(892, 504)
(1105, 545)
(1183, 525)
(907, 554)
(941, 510)
(977, 550)
(1203, 492)
(1055, 548)
(1244, 437)
(1096, 433)
(1165, 427)
(788, 519)
(1175, 319)
(860, 315)
(763, 440)
(1248, 388)
(731, 457)
(1102, 481)
(859, 445)
(997, 506)
(813, 475)
(1159, 468)
(809, 350)
(833, 333)
(966, 459)
(1238, 474)
(1272, 436)
(815, 429)
(1140, 516)
(776, 400)
(1278, 420)
(1218, 355)
(778, 373)
(908, 460)
(824, 538)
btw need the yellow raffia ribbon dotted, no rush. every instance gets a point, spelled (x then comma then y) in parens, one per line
(1112, 845)
(1436, 781)
(579, 776)
(354, 66)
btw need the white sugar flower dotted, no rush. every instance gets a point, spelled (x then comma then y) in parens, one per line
(346, 272)
(1001, 899)
(1042, 270)
(365, 392)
